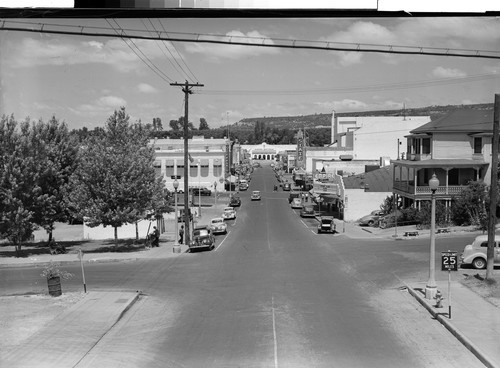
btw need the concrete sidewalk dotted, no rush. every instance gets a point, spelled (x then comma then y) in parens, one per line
(474, 321)
(66, 340)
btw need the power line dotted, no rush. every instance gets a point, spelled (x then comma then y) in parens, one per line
(357, 89)
(266, 42)
(178, 53)
(181, 73)
(150, 65)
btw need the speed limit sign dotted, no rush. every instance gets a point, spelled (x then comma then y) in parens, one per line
(449, 261)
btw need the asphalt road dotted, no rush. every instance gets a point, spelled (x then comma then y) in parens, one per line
(273, 294)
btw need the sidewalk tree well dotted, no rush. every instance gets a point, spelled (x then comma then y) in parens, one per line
(115, 181)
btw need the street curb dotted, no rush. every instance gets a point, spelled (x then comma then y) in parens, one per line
(454, 331)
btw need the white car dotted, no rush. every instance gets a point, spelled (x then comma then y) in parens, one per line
(218, 226)
(255, 195)
(229, 213)
(475, 254)
(296, 203)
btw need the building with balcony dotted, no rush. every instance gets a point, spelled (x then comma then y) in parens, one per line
(457, 148)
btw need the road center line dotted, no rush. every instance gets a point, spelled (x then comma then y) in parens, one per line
(274, 335)
(220, 244)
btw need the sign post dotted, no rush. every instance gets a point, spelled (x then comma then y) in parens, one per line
(449, 262)
(80, 257)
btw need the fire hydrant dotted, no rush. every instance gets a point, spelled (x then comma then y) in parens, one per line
(439, 299)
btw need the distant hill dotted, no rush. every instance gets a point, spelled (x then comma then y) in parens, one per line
(317, 120)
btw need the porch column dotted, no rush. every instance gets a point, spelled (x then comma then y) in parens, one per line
(447, 169)
(414, 181)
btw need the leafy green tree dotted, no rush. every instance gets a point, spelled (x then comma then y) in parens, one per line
(203, 124)
(115, 182)
(470, 207)
(157, 126)
(19, 189)
(58, 162)
(174, 125)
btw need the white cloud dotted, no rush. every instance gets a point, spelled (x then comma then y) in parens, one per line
(216, 52)
(63, 51)
(441, 72)
(146, 88)
(112, 101)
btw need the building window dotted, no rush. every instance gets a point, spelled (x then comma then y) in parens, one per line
(426, 146)
(478, 145)
(193, 170)
(217, 170)
(453, 177)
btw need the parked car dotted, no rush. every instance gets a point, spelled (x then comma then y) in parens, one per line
(326, 225)
(234, 201)
(296, 203)
(293, 195)
(287, 187)
(229, 213)
(218, 226)
(475, 254)
(307, 211)
(180, 218)
(202, 191)
(243, 184)
(371, 219)
(255, 195)
(203, 239)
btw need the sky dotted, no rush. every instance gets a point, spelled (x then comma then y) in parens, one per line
(82, 80)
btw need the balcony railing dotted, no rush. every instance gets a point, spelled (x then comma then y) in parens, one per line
(425, 190)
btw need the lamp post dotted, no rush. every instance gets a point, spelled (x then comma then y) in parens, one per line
(199, 188)
(431, 288)
(215, 188)
(177, 247)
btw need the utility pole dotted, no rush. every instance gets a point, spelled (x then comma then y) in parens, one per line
(186, 88)
(490, 252)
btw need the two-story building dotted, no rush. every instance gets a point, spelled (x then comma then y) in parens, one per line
(209, 161)
(457, 148)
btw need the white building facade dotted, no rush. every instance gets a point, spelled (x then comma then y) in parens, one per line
(209, 164)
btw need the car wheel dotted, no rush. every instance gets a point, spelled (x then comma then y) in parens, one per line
(479, 263)
(371, 223)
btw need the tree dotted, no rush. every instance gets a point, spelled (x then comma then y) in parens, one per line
(470, 207)
(157, 126)
(58, 162)
(19, 190)
(174, 125)
(203, 124)
(115, 182)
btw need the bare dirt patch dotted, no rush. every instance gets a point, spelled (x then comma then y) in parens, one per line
(488, 289)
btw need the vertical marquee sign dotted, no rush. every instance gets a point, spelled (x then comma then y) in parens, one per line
(300, 150)
(226, 158)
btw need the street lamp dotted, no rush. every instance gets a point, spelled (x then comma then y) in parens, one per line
(199, 188)
(177, 247)
(215, 187)
(431, 288)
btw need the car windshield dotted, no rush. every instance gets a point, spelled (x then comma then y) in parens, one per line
(256, 193)
(326, 221)
(218, 221)
(200, 233)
